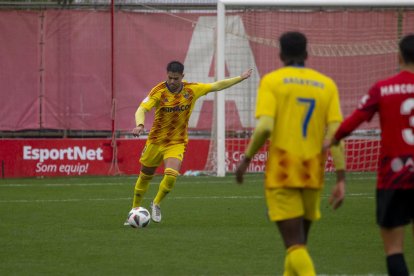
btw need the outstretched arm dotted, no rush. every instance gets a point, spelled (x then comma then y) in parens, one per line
(223, 84)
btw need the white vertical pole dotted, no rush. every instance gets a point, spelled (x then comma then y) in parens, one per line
(220, 96)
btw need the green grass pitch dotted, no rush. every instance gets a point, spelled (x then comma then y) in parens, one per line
(211, 226)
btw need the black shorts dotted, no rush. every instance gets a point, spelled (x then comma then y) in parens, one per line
(395, 207)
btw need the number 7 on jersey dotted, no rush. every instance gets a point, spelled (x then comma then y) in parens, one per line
(310, 107)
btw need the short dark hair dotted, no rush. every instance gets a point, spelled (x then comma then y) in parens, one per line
(293, 47)
(175, 67)
(407, 48)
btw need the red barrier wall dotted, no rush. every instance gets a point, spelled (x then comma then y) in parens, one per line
(74, 157)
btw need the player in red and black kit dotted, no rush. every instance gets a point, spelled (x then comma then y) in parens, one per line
(393, 99)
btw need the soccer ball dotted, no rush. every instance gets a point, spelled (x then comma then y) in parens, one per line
(139, 217)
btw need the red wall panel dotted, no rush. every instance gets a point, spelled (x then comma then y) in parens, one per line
(73, 157)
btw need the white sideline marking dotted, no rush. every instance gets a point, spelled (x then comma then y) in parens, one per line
(105, 184)
(61, 200)
(65, 185)
(172, 197)
(123, 198)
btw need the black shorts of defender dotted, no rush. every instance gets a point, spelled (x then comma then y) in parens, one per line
(395, 207)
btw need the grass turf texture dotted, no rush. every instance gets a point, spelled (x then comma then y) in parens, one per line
(211, 226)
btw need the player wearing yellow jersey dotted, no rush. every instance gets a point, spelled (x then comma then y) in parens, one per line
(296, 107)
(173, 101)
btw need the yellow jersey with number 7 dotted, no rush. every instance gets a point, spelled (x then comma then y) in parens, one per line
(302, 102)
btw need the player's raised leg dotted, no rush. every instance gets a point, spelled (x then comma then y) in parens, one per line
(166, 185)
(173, 156)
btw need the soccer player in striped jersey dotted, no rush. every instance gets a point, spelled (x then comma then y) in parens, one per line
(393, 100)
(173, 101)
(296, 106)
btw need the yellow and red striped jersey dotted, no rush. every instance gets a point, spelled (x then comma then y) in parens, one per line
(172, 111)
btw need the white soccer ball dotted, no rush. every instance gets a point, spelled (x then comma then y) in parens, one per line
(139, 217)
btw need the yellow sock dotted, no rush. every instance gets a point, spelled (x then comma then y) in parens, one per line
(166, 185)
(287, 269)
(299, 261)
(141, 187)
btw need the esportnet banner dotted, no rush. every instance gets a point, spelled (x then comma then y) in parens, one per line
(76, 157)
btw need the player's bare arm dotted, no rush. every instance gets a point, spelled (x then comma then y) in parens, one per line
(338, 191)
(246, 74)
(242, 168)
(338, 155)
(138, 130)
(139, 122)
(262, 131)
(223, 84)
